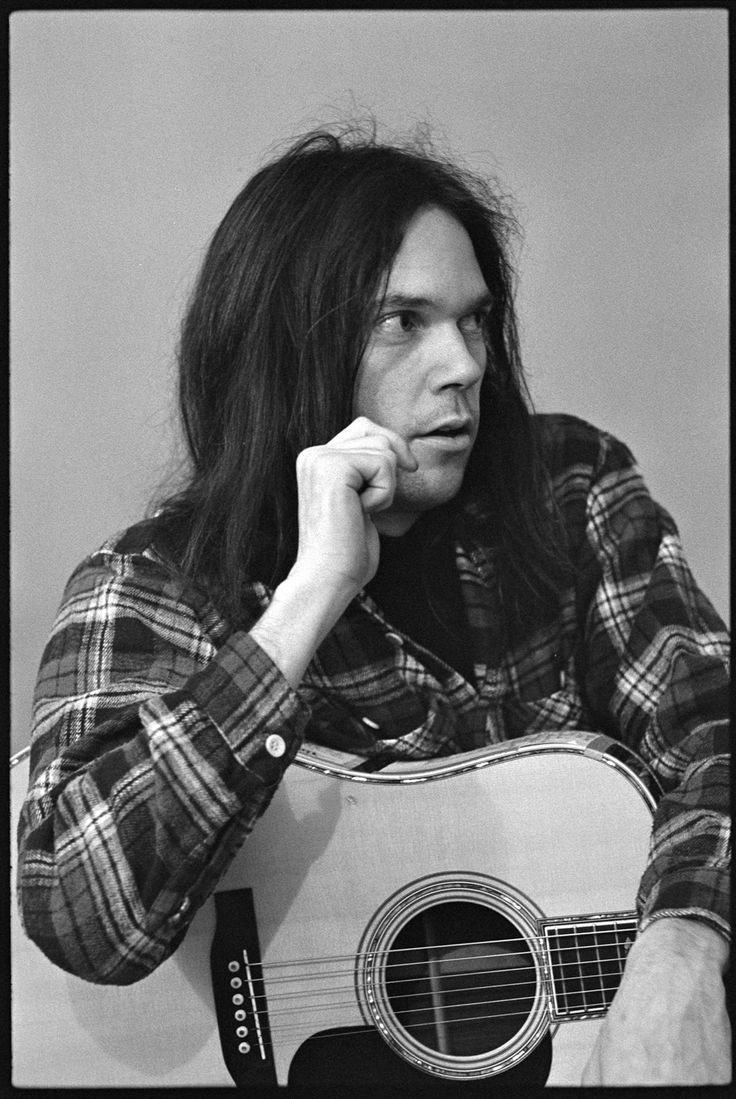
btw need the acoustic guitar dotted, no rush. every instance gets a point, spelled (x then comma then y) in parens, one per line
(443, 925)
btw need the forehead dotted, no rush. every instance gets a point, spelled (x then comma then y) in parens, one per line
(436, 260)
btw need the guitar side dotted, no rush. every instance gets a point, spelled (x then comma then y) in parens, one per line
(559, 822)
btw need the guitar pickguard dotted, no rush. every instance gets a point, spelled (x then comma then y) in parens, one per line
(332, 1062)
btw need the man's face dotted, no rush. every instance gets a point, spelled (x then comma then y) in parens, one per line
(421, 372)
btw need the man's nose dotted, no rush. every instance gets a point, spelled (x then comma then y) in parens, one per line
(455, 361)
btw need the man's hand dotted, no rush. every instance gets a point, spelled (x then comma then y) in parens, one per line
(668, 1022)
(341, 486)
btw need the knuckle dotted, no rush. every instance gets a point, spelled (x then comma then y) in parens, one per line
(307, 458)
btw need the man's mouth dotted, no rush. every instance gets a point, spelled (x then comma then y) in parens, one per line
(448, 429)
(448, 432)
(455, 434)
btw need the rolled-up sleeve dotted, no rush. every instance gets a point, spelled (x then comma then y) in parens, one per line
(158, 740)
(656, 657)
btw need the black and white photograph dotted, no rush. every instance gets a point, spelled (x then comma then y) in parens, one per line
(369, 550)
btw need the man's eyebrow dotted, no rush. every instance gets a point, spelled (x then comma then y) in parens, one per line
(407, 301)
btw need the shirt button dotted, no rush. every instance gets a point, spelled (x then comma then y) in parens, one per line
(275, 745)
(182, 911)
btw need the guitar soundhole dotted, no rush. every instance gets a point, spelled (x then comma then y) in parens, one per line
(460, 979)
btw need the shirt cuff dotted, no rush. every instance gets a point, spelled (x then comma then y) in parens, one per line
(702, 894)
(702, 915)
(247, 698)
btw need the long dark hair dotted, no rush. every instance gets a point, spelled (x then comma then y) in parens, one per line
(272, 337)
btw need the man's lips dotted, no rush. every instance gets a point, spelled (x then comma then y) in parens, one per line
(456, 434)
(448, 428)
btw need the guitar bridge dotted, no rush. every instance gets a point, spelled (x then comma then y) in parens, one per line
(239, 992)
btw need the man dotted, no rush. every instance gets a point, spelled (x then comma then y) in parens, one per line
(373, 519)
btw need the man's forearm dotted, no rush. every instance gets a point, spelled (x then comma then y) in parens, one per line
(668, 1022)
(299, 617)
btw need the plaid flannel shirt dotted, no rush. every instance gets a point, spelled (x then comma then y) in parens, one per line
(149, 758)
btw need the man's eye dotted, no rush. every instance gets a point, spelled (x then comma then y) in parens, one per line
(474, 322)
(396, 324)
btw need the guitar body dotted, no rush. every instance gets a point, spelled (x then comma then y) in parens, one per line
(372, 904)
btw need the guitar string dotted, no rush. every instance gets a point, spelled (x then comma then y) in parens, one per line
(557, 966)
(593, 994)
(413, 1009)
(556, 941)
(598, 1006)
(497, 1017)
(592, 990)
(394, 981)
(586, 1010)
(555, 963)
(375, 958)
(435, 982)
(581, 1003)
(438, 980)
(416, 1009)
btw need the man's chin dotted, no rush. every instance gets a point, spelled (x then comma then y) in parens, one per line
(394, 524)
(412, 501)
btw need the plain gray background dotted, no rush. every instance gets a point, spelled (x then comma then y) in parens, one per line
(132, 131)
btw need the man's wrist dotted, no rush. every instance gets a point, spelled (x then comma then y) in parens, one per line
(300, 615)
(691, 938)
